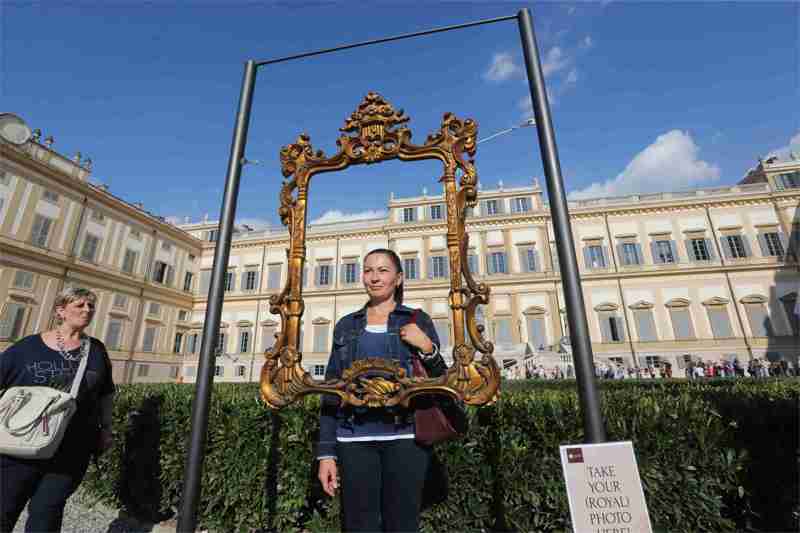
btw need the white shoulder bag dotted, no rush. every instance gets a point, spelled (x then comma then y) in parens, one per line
(33, 420)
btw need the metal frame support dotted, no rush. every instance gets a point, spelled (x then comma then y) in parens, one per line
(187, 517)
(576, 315)
(565, 244)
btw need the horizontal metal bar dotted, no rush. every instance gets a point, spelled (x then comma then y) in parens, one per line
(385, 40)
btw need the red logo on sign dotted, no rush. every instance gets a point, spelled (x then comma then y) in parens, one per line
(574, 455)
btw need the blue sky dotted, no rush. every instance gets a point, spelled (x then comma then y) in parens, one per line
(646, 96)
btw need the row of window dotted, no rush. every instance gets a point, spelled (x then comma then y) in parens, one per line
(596, 256)
(491, 207)
(317, 371)
(611, 325)
(162, 272)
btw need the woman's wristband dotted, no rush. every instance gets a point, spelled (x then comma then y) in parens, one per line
(432, 354)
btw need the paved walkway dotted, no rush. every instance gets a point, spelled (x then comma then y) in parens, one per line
(84, 514)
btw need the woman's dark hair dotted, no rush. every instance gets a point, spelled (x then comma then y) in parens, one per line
(398, 291)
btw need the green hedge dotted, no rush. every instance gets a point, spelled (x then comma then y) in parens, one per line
(715, 455)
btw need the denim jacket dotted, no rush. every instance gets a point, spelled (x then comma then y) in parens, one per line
(344, 351)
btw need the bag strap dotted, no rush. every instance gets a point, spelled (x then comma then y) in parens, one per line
(76, 381)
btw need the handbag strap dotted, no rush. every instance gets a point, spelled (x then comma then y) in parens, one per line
(76, 381)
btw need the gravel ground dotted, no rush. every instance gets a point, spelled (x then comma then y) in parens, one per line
(84, 514)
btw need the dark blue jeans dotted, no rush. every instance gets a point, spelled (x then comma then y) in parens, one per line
(382, 484)
(47, 484)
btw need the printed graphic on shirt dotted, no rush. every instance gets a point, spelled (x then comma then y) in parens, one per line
(59, 374)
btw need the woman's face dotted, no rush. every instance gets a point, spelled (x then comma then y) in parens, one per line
(76, 314)
(380, 277)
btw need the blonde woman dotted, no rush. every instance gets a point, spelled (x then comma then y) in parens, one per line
(51, 359)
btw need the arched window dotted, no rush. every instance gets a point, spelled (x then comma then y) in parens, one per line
(681, 318)
(718, 317)
(645, 323)
(612, 326)
(756, 310)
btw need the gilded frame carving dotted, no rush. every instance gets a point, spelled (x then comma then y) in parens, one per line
(373, 133)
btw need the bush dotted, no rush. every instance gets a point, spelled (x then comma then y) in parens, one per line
(713, 456)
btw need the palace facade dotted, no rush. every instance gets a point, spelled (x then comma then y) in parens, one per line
(58, 229)
(703, 274)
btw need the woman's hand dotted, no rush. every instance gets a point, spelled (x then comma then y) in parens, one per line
(411, 334)
(329, 476)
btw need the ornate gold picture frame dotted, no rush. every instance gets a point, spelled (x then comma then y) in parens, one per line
(373, 133)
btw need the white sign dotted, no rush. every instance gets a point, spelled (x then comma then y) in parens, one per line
(604, 488)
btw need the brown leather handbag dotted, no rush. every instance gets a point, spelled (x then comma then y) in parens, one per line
(437, 418)
(431, 426)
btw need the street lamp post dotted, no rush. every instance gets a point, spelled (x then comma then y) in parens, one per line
(527, 123)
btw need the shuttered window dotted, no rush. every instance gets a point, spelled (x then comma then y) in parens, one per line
(502, 331)
(760, 324)
(496, 262)
(205, 282)
(274, 276)
(90, 247)
(23, 279)
(40, 230)
(411, 268)
(630, 253)
(228, 281)
(528, 259)
(178, 344)
(699, 249)
(681, 323)
(735, 247)
(612, 328)
(244, 341)
(594, 256)
(114, 335)
(129, 261)
(321, 343)
(664, 252)
(437, 267)
(250, 280)
(350, 273)
(792, 314)
(720, 322)
(12, 321)
(149, 340)
(537, 335)
(645, 325)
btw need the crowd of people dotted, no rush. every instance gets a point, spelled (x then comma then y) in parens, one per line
(755, 368)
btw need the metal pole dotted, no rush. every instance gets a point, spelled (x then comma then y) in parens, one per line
(384, 40)
(573, 295)
(187, 517)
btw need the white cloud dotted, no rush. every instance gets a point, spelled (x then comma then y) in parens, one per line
(670, 163)
(783, 152)
(554, 61)
(502, 68)
(334, 215)
(572, 77)
(587, 42)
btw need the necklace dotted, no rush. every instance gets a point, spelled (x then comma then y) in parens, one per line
(62, 349)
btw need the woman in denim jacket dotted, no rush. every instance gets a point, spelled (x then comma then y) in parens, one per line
(372, 450)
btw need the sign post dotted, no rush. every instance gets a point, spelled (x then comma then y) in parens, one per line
(604, 488)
